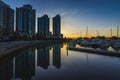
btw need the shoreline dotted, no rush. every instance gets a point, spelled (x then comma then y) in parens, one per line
(9, 49)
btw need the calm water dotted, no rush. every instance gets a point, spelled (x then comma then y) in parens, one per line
(54, 62)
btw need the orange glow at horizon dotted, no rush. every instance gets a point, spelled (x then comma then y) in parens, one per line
(90, 34)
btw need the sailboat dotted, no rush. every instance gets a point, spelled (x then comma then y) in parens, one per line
(116, 43)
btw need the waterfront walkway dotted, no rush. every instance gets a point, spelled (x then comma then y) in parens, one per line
(8, 47)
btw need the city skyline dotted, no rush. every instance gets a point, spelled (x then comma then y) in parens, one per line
(99, 16)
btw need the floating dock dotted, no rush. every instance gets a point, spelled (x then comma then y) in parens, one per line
(93, 51)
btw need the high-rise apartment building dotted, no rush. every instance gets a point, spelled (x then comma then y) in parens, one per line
(57, 26)
(6, 19)
(43, 26)
(25, 20)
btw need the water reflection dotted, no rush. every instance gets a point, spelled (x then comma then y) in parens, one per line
(43, 57)
(22, 66)
(49, 62)
(57, 56)
(25, 65)
(6, 69)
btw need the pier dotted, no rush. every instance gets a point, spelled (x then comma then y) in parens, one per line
(93, 51)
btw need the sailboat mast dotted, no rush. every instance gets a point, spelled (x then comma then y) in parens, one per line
(117, 31)
(87, 32)
(111, 32)
(81, 33)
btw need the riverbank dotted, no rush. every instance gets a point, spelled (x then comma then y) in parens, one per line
(93, 51)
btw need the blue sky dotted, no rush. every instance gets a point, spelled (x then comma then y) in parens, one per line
(99, 15)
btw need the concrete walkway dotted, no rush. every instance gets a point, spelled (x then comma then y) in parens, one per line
(8, 47)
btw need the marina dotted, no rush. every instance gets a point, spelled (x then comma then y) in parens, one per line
(59, 40)
(96, 46)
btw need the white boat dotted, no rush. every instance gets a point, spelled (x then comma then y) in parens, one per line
(99, 43)
(116, 45)
(85, 43)
(72, 43)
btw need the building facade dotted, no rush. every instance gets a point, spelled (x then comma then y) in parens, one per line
(57, 26)
(6, 19)
(25, 20)
(43, 26)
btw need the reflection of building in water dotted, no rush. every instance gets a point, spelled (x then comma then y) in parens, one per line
(57, 56)
(25, 65)
(50, 47)
(43, 57)
(6, 69)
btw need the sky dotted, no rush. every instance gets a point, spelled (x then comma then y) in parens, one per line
(99, 15)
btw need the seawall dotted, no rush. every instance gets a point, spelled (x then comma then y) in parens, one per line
(9, 50)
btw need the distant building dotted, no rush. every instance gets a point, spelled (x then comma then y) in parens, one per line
(57, 26)
(25, 19)
(6, 19)
(43, 26)
(61, 35)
